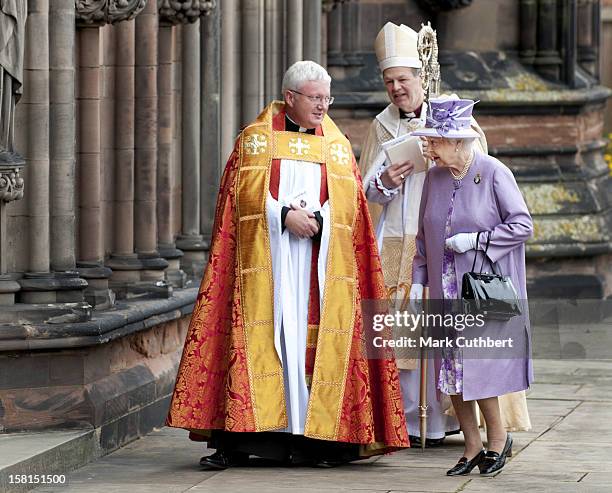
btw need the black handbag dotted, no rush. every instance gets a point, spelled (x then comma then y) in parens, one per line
(491, 295)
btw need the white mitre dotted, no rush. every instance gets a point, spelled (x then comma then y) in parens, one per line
(396, 46)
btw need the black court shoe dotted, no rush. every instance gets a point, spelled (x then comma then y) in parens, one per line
(493, 461)
(465, 466)
(221, 460)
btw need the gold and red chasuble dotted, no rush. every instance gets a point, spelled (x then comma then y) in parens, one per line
(230, 376)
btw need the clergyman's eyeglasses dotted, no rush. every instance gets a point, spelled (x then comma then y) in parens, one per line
(326, 100)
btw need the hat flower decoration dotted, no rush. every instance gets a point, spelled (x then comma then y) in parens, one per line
(449, 117)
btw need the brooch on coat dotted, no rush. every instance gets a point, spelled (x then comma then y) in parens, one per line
(477, 178)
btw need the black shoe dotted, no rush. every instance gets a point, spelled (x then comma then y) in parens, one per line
(221, 460)
(493, 461)
(331, 463)
(297, 460)
(465, 466)
(429, 442)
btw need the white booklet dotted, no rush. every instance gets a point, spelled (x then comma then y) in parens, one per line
(406, 148)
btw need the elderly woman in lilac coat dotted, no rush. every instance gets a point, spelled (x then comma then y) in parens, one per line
(465, 193)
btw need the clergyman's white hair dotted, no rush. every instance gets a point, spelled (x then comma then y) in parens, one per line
(301, 72)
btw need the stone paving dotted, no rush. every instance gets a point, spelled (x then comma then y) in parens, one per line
(568, 450)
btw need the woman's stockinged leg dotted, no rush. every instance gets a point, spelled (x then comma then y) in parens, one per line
(496, 433)
(466, 414)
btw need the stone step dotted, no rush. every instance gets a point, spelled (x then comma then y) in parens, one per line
(29, 457)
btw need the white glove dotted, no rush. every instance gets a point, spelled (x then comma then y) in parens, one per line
(462, 242)
(416, 297)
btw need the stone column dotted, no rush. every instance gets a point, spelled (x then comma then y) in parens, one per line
(123, 260)
(596, 40)
(165, 169)
(90, 15)
(312, 30)
(123, 251)
(230, 71)
(295, 28)
(145, 197)
(547, 61)
(62, 134)
(180, 12)
(274, 55)
(211, 162)
(91, 252)
(334, 57)
(190, 240)
(334, 31)
(529, 30)
(586, 30)
(324, 34)
(63, 150)
(252, 58)
(38, 285)
(351, 37)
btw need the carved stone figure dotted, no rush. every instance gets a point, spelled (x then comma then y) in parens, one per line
(100, 12)
(13, 15)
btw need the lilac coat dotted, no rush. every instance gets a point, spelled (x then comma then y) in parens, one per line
(493, 204)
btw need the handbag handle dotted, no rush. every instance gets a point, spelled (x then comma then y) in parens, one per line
(485, 253)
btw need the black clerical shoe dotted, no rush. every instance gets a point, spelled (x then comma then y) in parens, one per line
(331, 463)
(465, 466)
(222, 460)
(415, 441)
(493, 461)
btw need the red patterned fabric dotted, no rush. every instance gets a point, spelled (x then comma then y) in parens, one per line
(212, 387)
(372, 410)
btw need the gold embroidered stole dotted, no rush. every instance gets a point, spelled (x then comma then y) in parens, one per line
(259, 145)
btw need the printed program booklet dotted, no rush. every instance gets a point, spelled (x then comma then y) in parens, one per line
(406, 148)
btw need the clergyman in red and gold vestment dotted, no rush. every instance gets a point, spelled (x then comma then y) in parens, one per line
(275, 361)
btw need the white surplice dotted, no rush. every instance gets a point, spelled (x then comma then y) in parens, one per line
(399, 217)
(291, 263)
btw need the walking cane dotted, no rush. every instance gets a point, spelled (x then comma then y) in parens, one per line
(427, 46)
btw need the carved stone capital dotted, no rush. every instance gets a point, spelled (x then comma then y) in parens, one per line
(11, 183)
(329, 5)
(184, 11)
(100, 12)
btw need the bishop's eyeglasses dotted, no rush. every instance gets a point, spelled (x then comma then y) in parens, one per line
(326, 100)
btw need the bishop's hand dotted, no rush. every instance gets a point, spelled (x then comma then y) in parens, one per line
(395, 174)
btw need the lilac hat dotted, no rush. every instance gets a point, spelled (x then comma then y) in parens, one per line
(449, 117)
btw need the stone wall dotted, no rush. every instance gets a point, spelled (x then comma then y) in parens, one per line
(106, 374)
